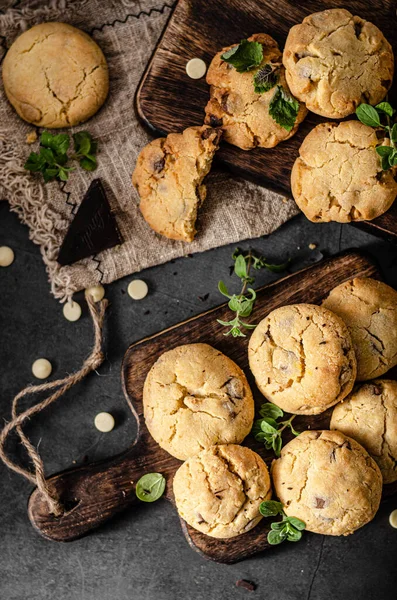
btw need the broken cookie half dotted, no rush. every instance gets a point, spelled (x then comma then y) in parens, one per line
(169, 177)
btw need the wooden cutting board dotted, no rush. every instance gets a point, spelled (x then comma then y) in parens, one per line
(168, 100)
(94, 493)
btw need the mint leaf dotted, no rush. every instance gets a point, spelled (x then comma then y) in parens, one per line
(35, 162)
(393, 133)
(266, 78)
(150, 487)
(393, 159)
(223, 289)
(384, 150)
(284, 108)
(297, 523)
(88, 163)
(276, 537)
(368, 115)
(240, 267)
(58, 143)
(386, 108)
(270, 508)
(245, 56)
(270, 410)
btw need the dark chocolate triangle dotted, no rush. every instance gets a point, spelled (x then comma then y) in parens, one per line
(92, 230)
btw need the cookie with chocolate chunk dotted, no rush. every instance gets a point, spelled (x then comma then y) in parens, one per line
(218, 491)
(302, 358)
(329, 481)
(169, 177)
(235, 106)
(369, 416)
(334, 61)
(194, 396)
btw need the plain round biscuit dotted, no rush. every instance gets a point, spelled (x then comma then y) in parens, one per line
(242, 113)
(369, 416)
(338, 175)
(55, 75)
(194, 396)
(369, 309)
(335, 61)
(329, 481)
(302, 358)
(168, 177)
(218, 491)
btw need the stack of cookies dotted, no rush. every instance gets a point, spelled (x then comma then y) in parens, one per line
(332, 62)
(305, 359)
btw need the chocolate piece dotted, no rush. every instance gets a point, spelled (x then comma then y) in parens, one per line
(247, 585)
(92, 230)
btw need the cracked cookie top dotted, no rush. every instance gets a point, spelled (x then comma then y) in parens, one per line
(369, 309)
(194, 396)
(55, 75)
(369, 415)
(219, 491)
(302, 358)
(329, 481)
(243, 113)
(168, 177)
(338, 175)
(335, 61)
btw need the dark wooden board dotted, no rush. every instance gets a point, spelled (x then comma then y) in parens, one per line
(94, 493)
(168, 100)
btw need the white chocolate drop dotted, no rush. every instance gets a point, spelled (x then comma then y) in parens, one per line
(96, 291)
(6, 256)
(72, 311)
(137, 289)
(41, 368)
(196, 68)
(104, 422)
(393, 519)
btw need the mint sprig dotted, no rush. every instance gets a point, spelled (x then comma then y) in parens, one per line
(371, 116)
(269, 430)
(283, 108)
(266, 78)
(289, 528)
(245, 56)
(52, 159)
(242, 304)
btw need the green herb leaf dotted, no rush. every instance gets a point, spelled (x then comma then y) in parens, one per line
(393, 133)
(223, 289)
(277, 268)
(245, 56)
(368, 115)
(297, 523)
(266, 78)
(386, 108)
(294, 536)
(58, 143)
(393, 159)
(150, 487)
(240, 267)
(85, 149)
(283, 108)
(276, 537)
(270, 410)
(384, 150)
(271, 508)
(385, 163)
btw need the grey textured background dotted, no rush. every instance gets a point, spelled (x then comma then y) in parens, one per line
(142, 553)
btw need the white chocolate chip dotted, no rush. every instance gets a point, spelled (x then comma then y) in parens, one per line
(104, 422)
(41, 368)
(393, 519)
(72, 311)
(96, 291)
(196, 68)
(6, 256)
(137, 289)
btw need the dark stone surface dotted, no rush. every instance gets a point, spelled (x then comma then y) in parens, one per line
(142, 553)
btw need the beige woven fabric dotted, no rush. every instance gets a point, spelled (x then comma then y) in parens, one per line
(127, 32)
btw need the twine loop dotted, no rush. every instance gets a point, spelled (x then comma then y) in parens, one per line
(95, 359)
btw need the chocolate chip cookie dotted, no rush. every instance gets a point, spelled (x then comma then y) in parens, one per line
(169, 177)
(334, 61)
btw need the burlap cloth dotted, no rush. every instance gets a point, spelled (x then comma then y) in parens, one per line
(127, 32)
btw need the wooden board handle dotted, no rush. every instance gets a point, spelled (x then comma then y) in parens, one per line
(90, 494)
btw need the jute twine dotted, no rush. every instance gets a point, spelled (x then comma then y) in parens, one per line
(61, 386)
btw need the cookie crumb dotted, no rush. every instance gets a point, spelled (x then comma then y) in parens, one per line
(31, 137)
(250, 586)
(312, 246)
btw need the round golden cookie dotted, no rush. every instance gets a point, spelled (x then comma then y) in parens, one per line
(334, 61)
(168, 177)
(218, 491)
(194, 396)
(369, 416)
(55, 75)
(338, 174)
(302, 358)
(243, 113)
(329, 481)
(369, 309)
